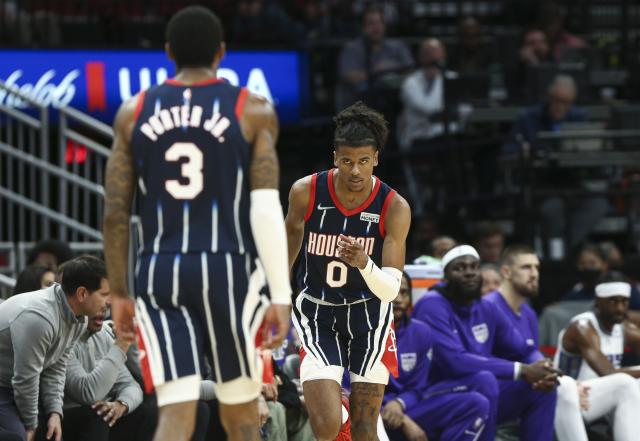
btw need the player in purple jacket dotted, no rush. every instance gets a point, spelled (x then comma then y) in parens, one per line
(468, 331)
(413, 410)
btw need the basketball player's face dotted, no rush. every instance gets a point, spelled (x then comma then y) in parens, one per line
(524, 274)
(464, 277)
(355, 166)
(613, 309)
(402, 301)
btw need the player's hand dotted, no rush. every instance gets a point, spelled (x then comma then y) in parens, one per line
(278, 317)
(122, 313)
(393, 414)
(270, 391)
(538, 371)
(124, 339)
(54, 427)
(412, 431)
(31, 434)
(110, 411)
(583, 395)
(547, 384)
(351, 252)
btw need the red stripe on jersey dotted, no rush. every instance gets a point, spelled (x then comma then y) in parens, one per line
(242, 99)
(342, 208)
(312, 197)
(139, 105)
(390, 354)
(144, 363)
(174, 82)
(383, 213)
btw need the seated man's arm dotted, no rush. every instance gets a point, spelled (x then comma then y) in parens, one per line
(128, 390)
(52, 384)
(88, 387)
(509, 342)
(582, 336)
(416, 99)
(449, 350)
(31, 337)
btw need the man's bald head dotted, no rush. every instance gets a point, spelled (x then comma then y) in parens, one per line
(432, 52)
(562, 94)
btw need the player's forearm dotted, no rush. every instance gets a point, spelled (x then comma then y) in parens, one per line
(294, 243)
(116, 249)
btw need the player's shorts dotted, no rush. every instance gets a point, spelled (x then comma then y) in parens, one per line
(192, 306)
(358, 337)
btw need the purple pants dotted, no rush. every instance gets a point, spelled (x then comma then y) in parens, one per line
(509, 401)
(9, 417)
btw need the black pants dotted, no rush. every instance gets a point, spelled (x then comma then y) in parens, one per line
(83, 424)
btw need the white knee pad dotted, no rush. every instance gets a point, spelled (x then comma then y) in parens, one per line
(311, 369)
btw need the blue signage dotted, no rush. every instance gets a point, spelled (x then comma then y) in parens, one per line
(97, 82)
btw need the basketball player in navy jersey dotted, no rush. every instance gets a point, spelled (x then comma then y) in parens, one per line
(202, 156)
(351, 229)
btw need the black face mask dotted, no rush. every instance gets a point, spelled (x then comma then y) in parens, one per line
(590, 276)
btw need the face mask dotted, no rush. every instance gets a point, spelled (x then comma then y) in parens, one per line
(589, 276)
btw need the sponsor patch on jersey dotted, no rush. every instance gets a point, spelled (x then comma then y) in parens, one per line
(481, 332)
(408, 361)
(370, 217)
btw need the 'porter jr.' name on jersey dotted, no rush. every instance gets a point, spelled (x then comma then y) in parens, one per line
(327, 244)
(177, 117)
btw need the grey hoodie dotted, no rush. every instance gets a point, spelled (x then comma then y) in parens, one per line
(37, 332)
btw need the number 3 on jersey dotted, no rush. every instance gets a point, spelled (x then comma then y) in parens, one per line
(337, 274)
(191, 169)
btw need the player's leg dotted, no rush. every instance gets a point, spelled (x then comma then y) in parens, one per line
(452, 416)
(483, 383)
(617, 395)
(535, 410)
(569, 425)
(321, 367)
(170, 341)
(371, 357)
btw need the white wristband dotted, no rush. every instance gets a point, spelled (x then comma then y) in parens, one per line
(517, 370)
(384, 283)
(270, 237)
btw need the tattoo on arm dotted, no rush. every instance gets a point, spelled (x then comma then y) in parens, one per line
(264, 169)
(119, 190)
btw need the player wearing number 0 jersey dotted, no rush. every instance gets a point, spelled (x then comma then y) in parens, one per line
(350, 230)
(201, 154)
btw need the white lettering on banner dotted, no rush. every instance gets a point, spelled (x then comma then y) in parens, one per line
(44, 90)
(124, 80)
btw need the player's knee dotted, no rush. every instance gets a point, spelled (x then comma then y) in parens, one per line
(568, 392)
(325, 427)
(478, 406)
(486, 384)
(625, 385)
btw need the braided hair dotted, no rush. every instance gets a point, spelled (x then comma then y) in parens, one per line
(359, 125)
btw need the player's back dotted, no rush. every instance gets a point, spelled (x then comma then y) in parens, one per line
(192, 164)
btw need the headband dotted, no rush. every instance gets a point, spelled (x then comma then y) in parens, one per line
(459, 251)
(612, 289)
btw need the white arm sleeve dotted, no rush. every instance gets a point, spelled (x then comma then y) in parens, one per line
(384, 283)
(270, 237)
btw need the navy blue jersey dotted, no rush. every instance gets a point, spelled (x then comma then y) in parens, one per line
(192, 164)
(322, 274)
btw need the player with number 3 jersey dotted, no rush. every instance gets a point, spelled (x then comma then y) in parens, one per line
(350, 230)
(201, 154)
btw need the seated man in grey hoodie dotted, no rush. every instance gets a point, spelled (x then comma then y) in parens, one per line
(100, 391)
(37, 332)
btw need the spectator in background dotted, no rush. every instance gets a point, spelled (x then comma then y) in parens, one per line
(535, 49)
(488, 240)
(562, 42)
(49, 253)
(263, 22)
(439, 246)
(491, 278)
(100, 392)
(422, 96)
(582, 213)
(521, 77)
(37, 333)
(367, 58)
(33, 278)
(471, 55)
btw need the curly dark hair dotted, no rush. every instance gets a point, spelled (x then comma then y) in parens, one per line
(359, 125)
